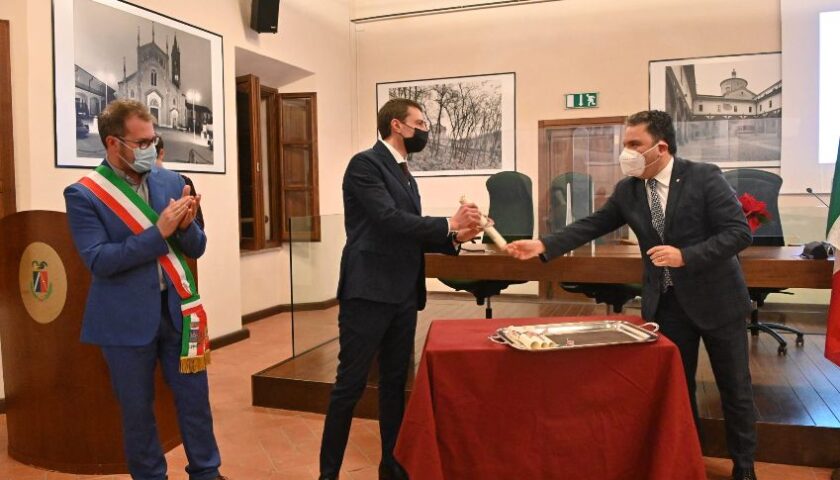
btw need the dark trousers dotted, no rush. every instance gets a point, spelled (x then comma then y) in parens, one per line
(365, 328)
(132, 376)
(728, 355)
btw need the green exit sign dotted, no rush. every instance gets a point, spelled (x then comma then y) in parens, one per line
(582, 100)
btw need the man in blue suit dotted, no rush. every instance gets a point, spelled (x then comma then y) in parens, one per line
(133, 308)
(382, 281)
(690, 228)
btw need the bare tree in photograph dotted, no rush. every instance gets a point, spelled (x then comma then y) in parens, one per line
(465, 121)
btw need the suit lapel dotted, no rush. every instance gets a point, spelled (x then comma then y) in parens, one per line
(675, 189)
(157, 193)
(390, 163)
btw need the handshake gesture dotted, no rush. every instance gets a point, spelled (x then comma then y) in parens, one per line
(179, 213)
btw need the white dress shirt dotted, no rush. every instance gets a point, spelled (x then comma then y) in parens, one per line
(663, 182)
(397, 155)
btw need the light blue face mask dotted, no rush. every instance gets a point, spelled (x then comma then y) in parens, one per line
(144, 158)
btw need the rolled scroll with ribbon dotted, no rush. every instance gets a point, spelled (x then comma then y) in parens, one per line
(489, 230)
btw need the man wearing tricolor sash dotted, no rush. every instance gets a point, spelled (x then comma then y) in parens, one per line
(134, 226)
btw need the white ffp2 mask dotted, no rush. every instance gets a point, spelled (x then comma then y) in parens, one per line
(633, 163)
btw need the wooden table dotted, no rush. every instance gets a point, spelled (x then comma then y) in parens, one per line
(774, 267)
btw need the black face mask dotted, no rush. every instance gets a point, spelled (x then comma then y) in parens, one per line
(417, 142)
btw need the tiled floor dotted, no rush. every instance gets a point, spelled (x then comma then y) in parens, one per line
(266, 444)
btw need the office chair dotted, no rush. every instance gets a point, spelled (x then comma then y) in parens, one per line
(512, 209)
(614, 295)
(764, 186)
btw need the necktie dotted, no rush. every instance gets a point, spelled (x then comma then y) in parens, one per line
(404, 168)
(659, 224)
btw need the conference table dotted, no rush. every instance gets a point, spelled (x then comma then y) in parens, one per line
(769, 267)
(481, 410)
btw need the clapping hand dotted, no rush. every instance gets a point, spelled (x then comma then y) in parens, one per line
(171, 216)
(192, 211)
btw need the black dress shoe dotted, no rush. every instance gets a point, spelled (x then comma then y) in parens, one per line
(328, 477)
(392, 472)
(743, 474)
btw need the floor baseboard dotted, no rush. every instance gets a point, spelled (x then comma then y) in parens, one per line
(286, 307)
(229, 338)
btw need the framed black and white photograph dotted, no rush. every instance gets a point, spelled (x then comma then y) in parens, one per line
(727, 110)
(472, 123)
(109, 49)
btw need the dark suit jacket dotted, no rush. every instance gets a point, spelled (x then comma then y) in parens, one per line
(703, 218)
(387, 235)
(123, 304)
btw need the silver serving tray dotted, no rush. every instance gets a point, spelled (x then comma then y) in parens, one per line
(564, 336)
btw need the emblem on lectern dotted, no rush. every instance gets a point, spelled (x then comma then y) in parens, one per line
(43, 282)
(41, 287)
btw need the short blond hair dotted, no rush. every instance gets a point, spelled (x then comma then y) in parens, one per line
(112, 119)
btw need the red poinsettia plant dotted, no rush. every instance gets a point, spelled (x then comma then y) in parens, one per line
(755, 211)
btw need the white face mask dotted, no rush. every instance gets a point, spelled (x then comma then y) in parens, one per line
(633, 163)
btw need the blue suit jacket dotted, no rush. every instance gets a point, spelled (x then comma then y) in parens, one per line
(123, 305)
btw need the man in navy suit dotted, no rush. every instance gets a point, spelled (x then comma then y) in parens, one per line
(382, 281)
(690, 228)
(133, 311)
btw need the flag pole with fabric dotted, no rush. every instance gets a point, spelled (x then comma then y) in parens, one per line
(832, 335)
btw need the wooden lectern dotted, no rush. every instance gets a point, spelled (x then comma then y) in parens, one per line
(61, 412)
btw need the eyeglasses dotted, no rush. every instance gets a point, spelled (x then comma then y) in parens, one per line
(144, 143)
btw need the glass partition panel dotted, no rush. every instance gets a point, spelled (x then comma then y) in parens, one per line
(578, 172)
(803, 223)
(315, 263)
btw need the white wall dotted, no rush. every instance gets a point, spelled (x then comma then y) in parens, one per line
(801, 74)
(374, 8)
(317, 39)
(556, 48)
(313, 36)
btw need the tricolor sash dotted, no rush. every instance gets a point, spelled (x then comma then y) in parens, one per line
(138, 216)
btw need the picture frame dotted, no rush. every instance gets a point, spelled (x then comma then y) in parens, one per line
(472, 122)
(109, 49)
(727, 109)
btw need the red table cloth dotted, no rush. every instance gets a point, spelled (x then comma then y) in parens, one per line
(479, 410)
